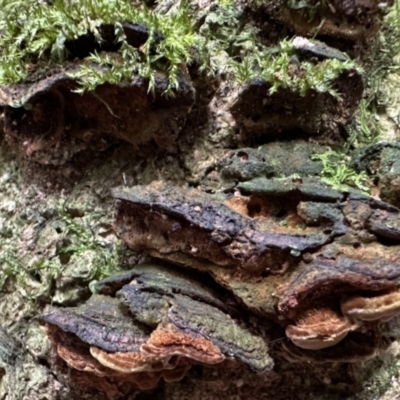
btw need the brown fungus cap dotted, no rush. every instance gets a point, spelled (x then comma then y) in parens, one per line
(372, 268)
(234, 340)
(142, 371)
(167, 340)
(355, 347)
(146, 117)
(317, 329)
(377, 308)
(75, 352)
(130, 362)
(160, 323)
(102, 322)
(184, 226)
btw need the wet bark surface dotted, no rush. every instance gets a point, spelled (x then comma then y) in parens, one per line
(187, 247)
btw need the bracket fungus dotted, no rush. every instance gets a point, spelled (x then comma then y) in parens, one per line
(262, 110)
(168, 339)
(319, 328)
(261, 114)
(113, 335)
(191, 224)
(256, 260)
(356, 347)
(384, 223)
(375, 308)
(49, 123)
(319, 274)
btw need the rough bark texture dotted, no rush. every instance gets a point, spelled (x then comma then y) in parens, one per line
(189, 247)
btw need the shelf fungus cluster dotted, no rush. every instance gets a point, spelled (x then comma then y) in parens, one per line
(263, 111)
(153, 323)
(321, 263)
(50, 124)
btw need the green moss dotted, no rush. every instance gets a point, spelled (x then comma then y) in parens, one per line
(36, 32)
(35, 279)
(230, 46)
(10, 267)
(82, 239)
(31, 281)
(365, 127)
(314, 8)
(337, 173)
(380, 60)
(305, 75)
(221, 37)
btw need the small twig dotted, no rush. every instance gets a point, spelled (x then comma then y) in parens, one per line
(105, 104)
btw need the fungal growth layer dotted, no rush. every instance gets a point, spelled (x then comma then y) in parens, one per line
(296, 255)
(49, 123)
(269, 106)
(249, 259)
(153, 323)
(290, 250)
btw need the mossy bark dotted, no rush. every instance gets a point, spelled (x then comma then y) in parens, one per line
(57, 234)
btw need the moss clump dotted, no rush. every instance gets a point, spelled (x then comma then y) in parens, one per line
(283, 70)
(381, 59)
(365, 127)
(34, 34)
(82, 240)
(336, 171)
(314, 8)
(228, 45)
(34, 276)
(223, 37)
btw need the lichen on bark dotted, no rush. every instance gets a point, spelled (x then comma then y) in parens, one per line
(223, 178)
